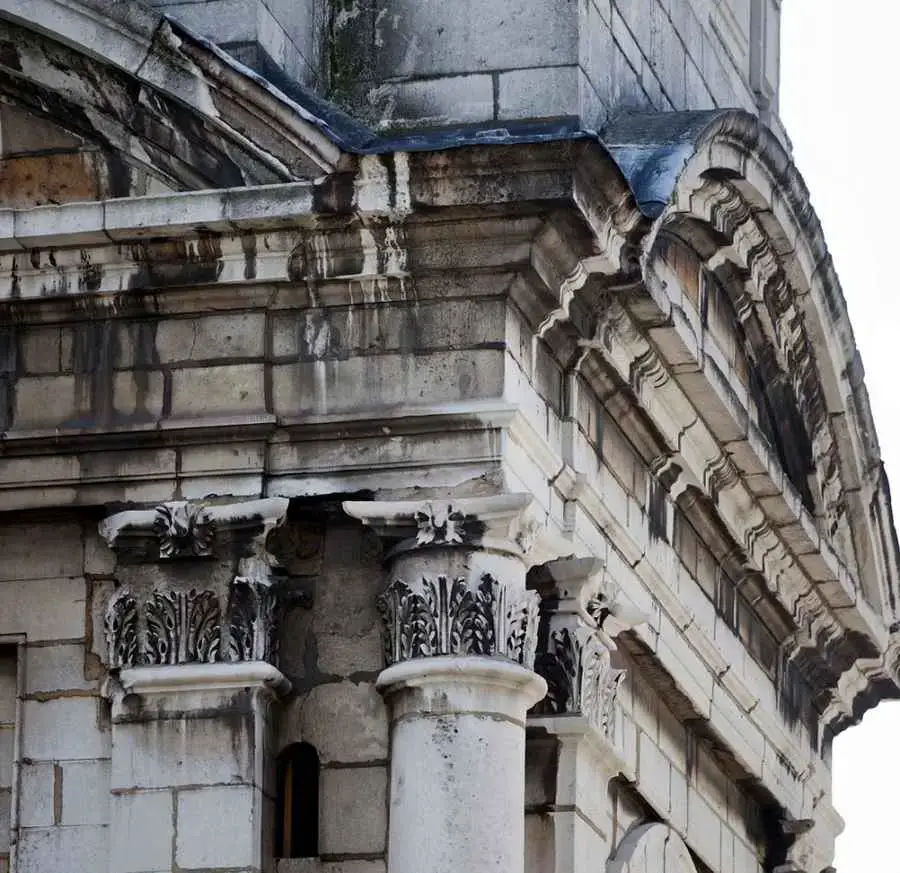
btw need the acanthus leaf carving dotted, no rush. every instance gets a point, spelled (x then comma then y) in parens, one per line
(121, 626)
(189, 626)
(449, 617)
(580, 676)
(579, 618)
(183, 627)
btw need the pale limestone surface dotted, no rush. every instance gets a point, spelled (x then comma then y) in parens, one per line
(451, 463)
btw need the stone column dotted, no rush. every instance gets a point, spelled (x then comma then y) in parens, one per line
(573, 726)
(459, 632)
(191, 646)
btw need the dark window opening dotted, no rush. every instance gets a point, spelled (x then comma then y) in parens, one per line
(297, 806)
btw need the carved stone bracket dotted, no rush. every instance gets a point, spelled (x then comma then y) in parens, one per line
(450, 617)
(576, 651)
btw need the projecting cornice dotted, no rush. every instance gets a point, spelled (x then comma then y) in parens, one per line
(722, 185)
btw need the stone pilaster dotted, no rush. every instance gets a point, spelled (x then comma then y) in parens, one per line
(191, 641)
(460, 633)
(574, 724)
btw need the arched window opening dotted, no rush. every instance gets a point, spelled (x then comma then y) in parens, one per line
(297, 806)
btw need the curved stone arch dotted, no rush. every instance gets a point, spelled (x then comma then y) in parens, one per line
(726, 175)
(652, 848)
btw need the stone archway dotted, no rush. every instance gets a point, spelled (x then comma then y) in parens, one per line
(652, 848)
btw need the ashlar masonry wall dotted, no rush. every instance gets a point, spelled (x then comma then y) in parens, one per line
(422, 62)
(61, 801)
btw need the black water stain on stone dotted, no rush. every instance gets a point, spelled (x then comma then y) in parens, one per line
(248, 244)
(10, 370)
(9, 56)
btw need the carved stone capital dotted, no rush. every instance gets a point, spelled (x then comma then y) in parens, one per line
(180, 614)
(175, 625)
(450, 616)
(506, 523)
(182, 529)
(576, 651)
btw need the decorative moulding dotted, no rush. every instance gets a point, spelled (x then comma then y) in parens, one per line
(183, 529)
(202, 677)
(461, 679)
(507, 523)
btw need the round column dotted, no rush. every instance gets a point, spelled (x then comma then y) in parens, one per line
(460, 632)
(457, 755)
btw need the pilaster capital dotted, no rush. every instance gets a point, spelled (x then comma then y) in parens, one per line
(158, 616)
(505, 523)
(576, 652)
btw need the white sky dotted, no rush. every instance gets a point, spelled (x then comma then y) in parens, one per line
(839, 103)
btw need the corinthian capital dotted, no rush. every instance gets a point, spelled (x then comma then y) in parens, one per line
(576, 655)
(179, 612)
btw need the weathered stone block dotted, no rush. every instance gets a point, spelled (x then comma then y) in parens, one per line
(63, 729)
(83, 848)
(40, 350)
(210, 391)
(180, 752)
(42, 401)
(357, 794)
(368, 383)
(85, 793)
(23, 611)
(55, 668)
(313, 717)
(448, 100)
(137, 394)
(538, 92)
(39, 552)
(142, 832)
(201, 841)
(431, 38)
(36, 798)
(211, 338)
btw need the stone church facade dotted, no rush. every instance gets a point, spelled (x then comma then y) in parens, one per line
(433, 441)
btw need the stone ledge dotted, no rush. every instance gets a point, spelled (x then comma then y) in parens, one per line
(201, 677)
